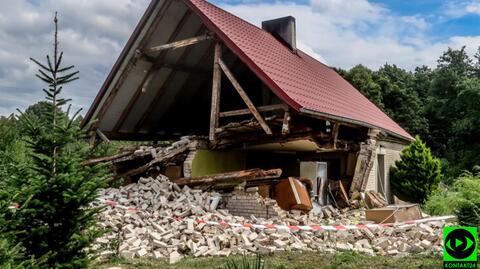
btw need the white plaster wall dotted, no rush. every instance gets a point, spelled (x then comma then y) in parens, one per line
(391, 151)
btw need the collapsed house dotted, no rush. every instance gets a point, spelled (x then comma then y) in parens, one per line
(253, 110)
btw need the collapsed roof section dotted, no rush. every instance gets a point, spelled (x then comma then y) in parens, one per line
(162, 87)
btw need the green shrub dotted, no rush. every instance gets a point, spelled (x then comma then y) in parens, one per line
(468, 213)
(416, 174)
(245, 263)
(461, 199)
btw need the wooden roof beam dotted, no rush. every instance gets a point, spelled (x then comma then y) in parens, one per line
(246, 111)
(245, 98)
(216, 88)
(181, 43)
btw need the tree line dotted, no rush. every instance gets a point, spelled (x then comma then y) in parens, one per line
(441, 105)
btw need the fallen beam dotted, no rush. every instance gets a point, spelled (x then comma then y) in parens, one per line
(181, 43)
(246, 111)
(231, 178)
(162, 157)
(106, 158)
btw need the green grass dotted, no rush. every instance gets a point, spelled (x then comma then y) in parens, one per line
(290, 260)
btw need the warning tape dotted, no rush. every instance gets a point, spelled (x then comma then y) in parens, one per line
(296, 227)
(326, 227)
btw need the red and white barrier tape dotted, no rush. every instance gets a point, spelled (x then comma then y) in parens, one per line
(296, 227)
(325, 227)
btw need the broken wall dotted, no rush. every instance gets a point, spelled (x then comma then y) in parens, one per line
(207, 162)
(391, 152)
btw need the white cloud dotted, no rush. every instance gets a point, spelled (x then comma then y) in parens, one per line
(363, 33)
(460, 8)
(92, 33)
(348, 11)
(342, 33)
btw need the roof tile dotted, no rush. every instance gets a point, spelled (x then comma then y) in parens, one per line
(299, 79)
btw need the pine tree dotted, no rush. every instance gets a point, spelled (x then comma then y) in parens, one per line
(55, 223)
(416, 174)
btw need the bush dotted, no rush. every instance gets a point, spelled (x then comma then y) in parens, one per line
(461, 199)
(416, 174)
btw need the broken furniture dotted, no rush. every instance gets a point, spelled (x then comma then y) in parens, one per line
(393, 213)
(292, 194)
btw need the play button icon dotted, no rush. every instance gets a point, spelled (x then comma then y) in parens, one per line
(460, 244)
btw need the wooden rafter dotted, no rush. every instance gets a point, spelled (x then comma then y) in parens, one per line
(131, 64)
(335, 129)
(244, 96)
(185, 69)
(160, 93)
(102, 136)
(246, 111)
(138, 92)
(216, 88)
(286, 123)
(150, 74)
(187, 85)
(181, 43)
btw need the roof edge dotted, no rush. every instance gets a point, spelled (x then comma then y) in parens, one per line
(123, 54)
(357, 122)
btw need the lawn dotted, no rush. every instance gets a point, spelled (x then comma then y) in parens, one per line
(291, 260)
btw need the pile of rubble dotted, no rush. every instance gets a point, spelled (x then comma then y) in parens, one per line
(156, 218)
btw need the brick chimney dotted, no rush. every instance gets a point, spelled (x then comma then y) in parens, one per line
(283, 29)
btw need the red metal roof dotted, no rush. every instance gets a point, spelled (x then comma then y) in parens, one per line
(300, 80)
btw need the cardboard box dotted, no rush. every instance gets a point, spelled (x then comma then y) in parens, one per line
(393, 213)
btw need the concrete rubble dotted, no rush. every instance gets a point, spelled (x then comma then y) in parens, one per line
(165, 226)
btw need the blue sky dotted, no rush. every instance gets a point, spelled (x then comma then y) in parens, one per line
(442, 25)
(341, 33)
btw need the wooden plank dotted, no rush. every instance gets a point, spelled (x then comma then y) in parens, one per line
(343, 192)
(154, 101)
(147, 81)
(244, 96)
(181, 43)
(159, 160)
(188, 86)
(106, 158)
(111, 96)
(286, 123)
(186, 69)
(133, 100)
(216, 88)
(102, 136)
(149, 75)
(93, 138)
(335, 129)
(231, 178)
(160, 93)
(246, 111)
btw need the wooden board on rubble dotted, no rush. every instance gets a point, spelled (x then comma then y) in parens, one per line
(394, 213)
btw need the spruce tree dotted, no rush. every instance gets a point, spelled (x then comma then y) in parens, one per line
(416, 174)
(55, 222)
